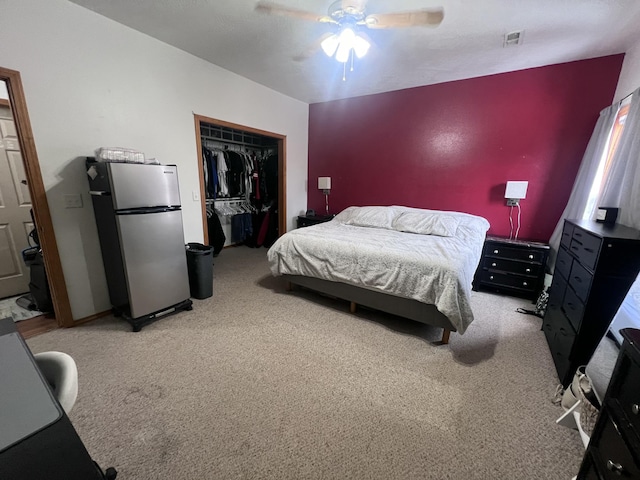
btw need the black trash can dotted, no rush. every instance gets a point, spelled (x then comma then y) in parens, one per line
(200, 266)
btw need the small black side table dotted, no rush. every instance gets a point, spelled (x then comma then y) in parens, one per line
(513, 267)
(308, 220)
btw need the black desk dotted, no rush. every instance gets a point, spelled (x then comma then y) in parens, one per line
(37, 440)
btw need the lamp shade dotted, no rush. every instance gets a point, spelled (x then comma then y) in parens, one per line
(516, 189)
(324, 183)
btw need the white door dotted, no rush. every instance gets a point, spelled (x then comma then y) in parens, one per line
(15, 205)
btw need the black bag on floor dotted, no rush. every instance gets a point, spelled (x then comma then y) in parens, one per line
(39, 286)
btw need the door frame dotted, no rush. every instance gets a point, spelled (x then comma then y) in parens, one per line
(40, 205)
(282, 169)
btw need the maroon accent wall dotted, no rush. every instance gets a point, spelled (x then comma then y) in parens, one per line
(453, 146)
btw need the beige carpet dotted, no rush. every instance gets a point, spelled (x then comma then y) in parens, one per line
(259, 383)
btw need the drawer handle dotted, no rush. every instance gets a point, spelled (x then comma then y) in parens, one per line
(590, 250)
(571, 306)
(527, 270)
(491, 277)
(493, 264)
(496, 251)
(576, 234)
(635, 409)
(614, 467)
(563, 331)
(575, 248)
(578, 279)
(530, 257)
(524, 284)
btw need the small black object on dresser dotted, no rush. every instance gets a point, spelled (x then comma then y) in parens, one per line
(595, 267)
(614, 448)
(308, 220)
(515, 267)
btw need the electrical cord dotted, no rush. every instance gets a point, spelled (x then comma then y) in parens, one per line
(518, 229)
(510, 222)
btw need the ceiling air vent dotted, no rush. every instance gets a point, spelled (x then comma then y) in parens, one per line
(513, 38)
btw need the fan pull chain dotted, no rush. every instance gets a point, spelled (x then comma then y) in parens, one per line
(352, 59)
(344, 72)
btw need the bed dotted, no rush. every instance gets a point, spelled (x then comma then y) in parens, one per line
(415, 263)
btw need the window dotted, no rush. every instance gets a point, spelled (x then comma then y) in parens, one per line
(606, 160)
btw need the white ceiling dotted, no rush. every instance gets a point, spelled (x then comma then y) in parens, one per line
(468, 43)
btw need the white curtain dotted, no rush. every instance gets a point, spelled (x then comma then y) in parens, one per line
(622, 184)
(586, 175)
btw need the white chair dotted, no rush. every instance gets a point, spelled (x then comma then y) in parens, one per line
(61, 373)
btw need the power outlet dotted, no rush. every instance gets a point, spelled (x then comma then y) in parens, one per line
(513, 202)
(73, 201)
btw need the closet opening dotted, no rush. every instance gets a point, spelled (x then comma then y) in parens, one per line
(242, 183)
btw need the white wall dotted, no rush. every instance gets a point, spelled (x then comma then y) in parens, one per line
(4, 94)
(92, 82)
(630, 74)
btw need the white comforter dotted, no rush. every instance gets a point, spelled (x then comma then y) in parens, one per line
(431, 269)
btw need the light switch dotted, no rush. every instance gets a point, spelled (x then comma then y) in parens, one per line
(196, 195)
(73, 201)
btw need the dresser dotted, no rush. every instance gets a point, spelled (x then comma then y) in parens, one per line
(614, 448)
(595, 266)
(514, 267)
(307, 220)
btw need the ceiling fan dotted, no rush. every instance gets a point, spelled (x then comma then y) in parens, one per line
(350, 19)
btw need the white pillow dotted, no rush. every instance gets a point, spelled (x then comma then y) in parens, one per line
(426, 224)
(376, 217)
(345, 215)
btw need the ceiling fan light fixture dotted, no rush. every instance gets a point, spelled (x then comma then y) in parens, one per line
(346, 39)
(330, 45)
(360, 46)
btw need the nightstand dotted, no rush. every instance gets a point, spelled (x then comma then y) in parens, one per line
(308, 220)
(514, 267)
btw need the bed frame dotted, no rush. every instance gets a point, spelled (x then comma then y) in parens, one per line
(403, 307)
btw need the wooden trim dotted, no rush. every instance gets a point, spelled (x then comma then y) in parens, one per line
(4, 102)
(282, 169)
(55, 276)
(203, 195)
(90, 318)
(35, 326)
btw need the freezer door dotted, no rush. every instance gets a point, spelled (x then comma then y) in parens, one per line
(155, 260)
(138, 186)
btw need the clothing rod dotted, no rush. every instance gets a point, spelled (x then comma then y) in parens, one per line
(234, 142)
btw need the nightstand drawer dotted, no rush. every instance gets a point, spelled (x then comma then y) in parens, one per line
(616, 461)
(528, 255)
(585, 247)
(519, 268)
(627, 392)
(580, 280)
(506, 280)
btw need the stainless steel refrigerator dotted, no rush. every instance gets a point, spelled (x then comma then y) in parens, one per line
(139, 220)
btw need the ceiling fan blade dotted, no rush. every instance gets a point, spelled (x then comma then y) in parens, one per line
(275, 9)
(417, 18)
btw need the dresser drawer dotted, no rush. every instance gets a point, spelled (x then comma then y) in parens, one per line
(627, 393)
(563, 263)
(525, 254)
(585, 247)
(506, 280)
(519, 268)
(556, 292)
(615, 460)
(580, 280)
(567, 234)
(573, 308)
